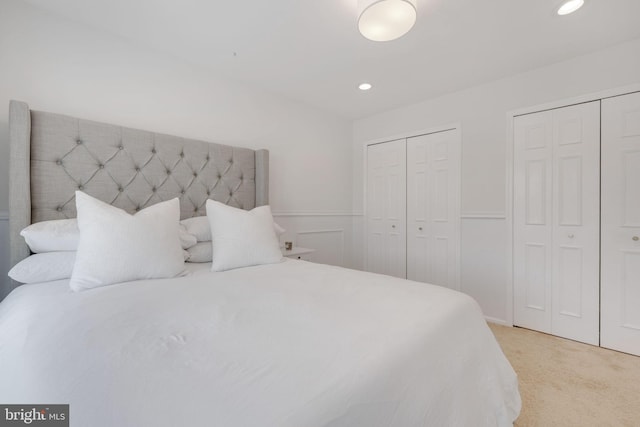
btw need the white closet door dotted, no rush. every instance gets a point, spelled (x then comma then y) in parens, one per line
(556, 221)
(532, 227)
(620, 280)
(575, 296)
(433, 197)
(386, 208)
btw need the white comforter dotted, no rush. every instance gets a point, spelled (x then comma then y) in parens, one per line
(289, 344)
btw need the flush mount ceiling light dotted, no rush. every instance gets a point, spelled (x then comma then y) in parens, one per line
(365, 86)
(570, 7)
(385, 20)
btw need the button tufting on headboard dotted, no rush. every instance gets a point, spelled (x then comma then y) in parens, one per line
(130, 169)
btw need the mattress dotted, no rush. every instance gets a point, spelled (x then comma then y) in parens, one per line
(288, 344)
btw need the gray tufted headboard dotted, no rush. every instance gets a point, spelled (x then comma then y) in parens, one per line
(52, 156)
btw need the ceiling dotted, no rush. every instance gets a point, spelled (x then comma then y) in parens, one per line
(311, 51)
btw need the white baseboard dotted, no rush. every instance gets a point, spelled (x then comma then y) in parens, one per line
(497, 321)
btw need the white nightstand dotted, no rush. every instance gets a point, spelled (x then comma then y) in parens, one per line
(297, 253)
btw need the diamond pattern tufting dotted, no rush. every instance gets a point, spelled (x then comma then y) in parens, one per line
(131, 169)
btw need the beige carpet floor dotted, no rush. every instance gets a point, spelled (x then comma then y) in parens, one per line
(566, 383)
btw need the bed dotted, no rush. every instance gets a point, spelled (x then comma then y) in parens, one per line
(290, 343)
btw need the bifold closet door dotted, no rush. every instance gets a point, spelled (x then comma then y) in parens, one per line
(433, 194)
(386, 208)
(556, 221)
(620, 275)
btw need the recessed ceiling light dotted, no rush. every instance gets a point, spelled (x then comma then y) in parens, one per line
(570, 7)
(365, 86)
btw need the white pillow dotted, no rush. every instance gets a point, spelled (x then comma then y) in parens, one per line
(63, 234)
(44, 267)
(201, 252)
(117, 247)
(187, 239)
(278, 228)
(199, 227)
(242, 238)
(52, 236)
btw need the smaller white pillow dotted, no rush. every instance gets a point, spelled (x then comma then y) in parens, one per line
(45, 267)
(52, 236)
(116, 247)
(187, 240)
(198, 226)
(201, 252)
(242, 238)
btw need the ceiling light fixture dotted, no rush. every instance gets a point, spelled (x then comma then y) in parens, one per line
(385, 20)
(570, 7)
(365, 86)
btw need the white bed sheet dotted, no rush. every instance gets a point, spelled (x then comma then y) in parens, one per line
(289, 344)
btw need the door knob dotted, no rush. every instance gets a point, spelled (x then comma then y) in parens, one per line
(571, 236)
(420, 228)
(635, 238)
(393, 226)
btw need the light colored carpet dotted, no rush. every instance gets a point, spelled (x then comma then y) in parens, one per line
(566, 383)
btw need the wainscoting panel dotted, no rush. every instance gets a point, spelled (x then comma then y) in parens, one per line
(4, 253)
(329, 245)
(328, 233)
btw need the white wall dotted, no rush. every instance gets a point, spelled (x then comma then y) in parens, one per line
(60, 66)
(482, 112)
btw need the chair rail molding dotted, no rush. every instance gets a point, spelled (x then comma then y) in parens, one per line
(483, 215)
(316, 213)
(4, 215)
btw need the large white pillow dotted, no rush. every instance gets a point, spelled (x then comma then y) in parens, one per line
(52, 236)
(44, 267)
(116, 247)
(62, 235)
(242, 238)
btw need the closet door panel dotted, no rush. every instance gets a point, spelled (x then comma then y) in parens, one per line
(535, 272)
(556, 221)
(576, 224)
(376, 190)
(386, 208)
(532, 217)
(419, 211)
(445, 149)
(620, 231)
(433, 185)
